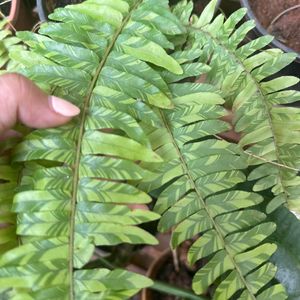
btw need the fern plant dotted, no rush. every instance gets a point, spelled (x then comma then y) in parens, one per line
(269, 131)
(8, 174)
(144, 127)
(74, 185)
(202, 191)
(8, 184)
(8, 43)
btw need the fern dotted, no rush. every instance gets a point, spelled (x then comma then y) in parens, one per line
(8, 183)
(8, 43)
(74, 189)
(199, 187)
(270, 132)
(144, 126)
(201, 198)
(8, 174)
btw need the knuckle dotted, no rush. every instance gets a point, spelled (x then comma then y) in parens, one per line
(9, 88)
(12, 83)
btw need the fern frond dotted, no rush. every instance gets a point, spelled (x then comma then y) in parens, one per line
(74, 196)
(199, 194)
(200, 197)
(8, 43)
(8, 183)
(270, 132)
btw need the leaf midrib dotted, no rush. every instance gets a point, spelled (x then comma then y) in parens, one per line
(218, 230)
(79, 143)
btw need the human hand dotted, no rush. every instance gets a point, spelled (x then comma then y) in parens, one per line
(21, 100)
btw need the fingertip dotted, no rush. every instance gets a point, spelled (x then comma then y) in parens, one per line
(63, 107)
(22, 100)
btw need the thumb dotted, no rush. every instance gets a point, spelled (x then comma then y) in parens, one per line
(21, 100)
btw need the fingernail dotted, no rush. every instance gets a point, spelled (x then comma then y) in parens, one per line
(63, 107)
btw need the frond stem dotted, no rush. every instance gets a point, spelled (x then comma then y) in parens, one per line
(261, 158)
(175, 260)
(8, 22)
(215, 225)
(262, 97)
(79, 142)
(271, 162)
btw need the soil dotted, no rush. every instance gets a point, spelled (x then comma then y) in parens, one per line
(287, 28)
(199, 6)
(182, 278)
(5, 8)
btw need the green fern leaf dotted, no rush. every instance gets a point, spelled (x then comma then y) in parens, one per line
(8, 43)
(197, 174)
(74, 187)
(199, 197)
(269, 132)
(8, 183)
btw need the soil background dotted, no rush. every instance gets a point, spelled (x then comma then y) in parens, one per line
(287, 28)
(5, 8)
(199, 5)
(182, 279)
(52, 4)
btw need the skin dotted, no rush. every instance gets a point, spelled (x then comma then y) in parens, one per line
(22, 101)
